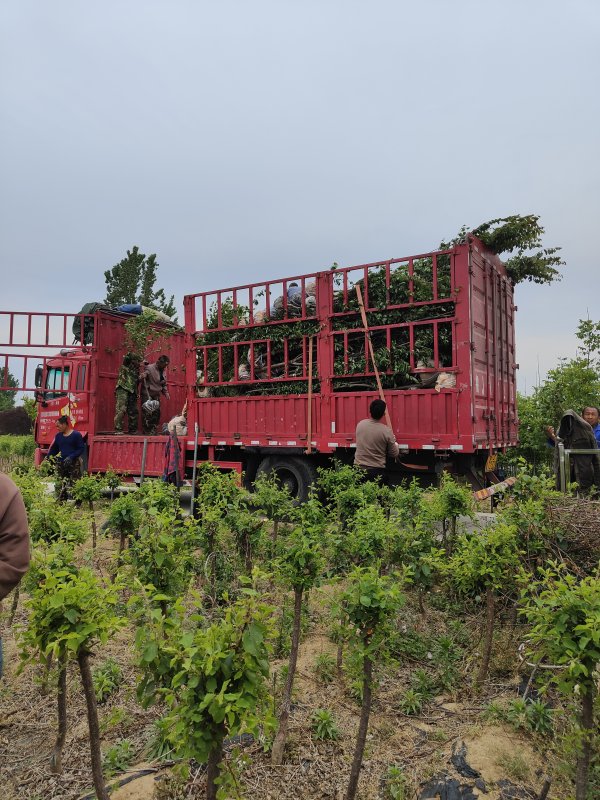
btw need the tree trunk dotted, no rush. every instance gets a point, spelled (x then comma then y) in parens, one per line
(14, 606)
(284, 712)
(122, 542)
(248, 555)
(340, 648)
(274, 533)
(210, 541)
(91, 505)
(45, 674)
(56, 757)
(452, 537)
(583, 760)
(363, 726)
(489, 636)
(213, 771)
(83, 659)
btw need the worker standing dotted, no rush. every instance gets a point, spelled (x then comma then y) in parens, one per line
(67, 449)
(154, 386)
(126, 393)
(375, 442)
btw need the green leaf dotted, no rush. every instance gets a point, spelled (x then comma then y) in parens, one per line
(150, 652)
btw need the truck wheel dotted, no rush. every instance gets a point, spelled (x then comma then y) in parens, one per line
(297, 474)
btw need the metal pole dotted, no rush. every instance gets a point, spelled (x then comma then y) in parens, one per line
(144, 454)
(561, 467)
(193, 503)
(309, 409)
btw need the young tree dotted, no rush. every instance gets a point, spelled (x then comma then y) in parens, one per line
(248, 530)
(565, 615)
(369, 602)
(161, 558)
(214, 680)
(88, 489)
(132, 281)
(124, 517)
(71, 612)
(485, 560)
(218, 495)
(274, 500)
(301, 566)
(449, 503)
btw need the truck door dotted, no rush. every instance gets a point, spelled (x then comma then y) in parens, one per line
(80, 396)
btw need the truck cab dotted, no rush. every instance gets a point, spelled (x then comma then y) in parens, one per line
(62, 388)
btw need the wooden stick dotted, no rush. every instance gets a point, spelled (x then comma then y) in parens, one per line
(361, 305)
(309, 411)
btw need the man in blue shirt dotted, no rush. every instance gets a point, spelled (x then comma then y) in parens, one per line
(67, 449)
(592, 416)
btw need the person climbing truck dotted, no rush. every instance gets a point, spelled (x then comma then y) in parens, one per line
(126, 393)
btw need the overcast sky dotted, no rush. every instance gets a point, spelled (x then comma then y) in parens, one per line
(245, 139)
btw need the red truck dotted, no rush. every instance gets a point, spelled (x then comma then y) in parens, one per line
(276, 375)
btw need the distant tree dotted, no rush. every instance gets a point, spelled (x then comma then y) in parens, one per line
(132, 281)
(522, 234)
(30, 406)
(588, 333)
(7, 396)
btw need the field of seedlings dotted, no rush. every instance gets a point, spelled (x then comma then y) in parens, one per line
(371, 643)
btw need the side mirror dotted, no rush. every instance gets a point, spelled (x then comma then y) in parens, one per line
(38, 375)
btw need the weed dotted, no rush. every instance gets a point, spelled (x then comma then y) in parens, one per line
(423, 683)
(325, 668)
(409, 643)
(528, 715)
(106, 678)
(323, 725)
(394, 784)
(539, 717)
(117, 716)
(118, 757)
(445, 655)
(411, 702)
(159, 747)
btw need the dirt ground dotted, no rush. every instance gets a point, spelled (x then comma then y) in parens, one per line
(422, 745)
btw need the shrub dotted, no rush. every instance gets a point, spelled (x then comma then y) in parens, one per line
(106, 679)
(323, 725)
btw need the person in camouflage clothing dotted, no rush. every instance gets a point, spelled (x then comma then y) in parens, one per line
(126, 393)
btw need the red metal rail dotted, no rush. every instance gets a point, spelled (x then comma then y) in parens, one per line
(449, 311)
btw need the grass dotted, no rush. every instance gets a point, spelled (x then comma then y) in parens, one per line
(515, 766)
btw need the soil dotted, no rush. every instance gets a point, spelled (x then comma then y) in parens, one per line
(422, 745)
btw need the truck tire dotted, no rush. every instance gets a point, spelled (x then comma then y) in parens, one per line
(298, 474)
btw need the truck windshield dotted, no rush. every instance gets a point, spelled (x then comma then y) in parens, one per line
(57, 382)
